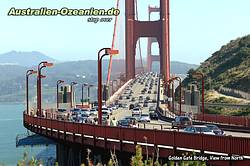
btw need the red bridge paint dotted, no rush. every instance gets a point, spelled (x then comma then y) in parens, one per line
(125, 139)
(231, 120)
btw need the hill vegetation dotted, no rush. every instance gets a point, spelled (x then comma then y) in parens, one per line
(229, 67)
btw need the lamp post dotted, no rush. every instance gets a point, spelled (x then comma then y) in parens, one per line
(114, 81)
(111, 88)
(203, 88)
(108, 51)
(172, 80)
(71, 93)
(88, 91)
(28, 73)
(83, 85)
(57, 95)
(39, 88)
(168, 84)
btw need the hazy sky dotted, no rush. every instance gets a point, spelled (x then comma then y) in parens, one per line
(198, 28)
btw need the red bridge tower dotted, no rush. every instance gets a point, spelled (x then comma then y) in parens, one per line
(154, 29)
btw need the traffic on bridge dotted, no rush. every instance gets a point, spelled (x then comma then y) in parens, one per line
(136, 106)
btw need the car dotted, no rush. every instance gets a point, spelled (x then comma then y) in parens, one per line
(107, 109)
(137, 105)
(131, 106)
(105, 114)
(123, 123)
(136, 110)
(85, 110)
(85, 114)
(199, 129)
(144, 118)
(153, 116)
(130, 118)
(124, 105)
(83, 118)
(120, 97)
(140, 101)
(181, 122)
(136, 117)
(75, 111)
(152, 109)
(215, 129)
(93, 112)
(105, 120)
(61, 110)
(114, 107)
(120, 105)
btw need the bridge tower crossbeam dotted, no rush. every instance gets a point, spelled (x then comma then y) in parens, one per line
(157, 29)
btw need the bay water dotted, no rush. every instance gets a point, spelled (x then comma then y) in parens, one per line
(11, 124)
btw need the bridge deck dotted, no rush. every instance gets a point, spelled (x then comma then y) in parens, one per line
(125, 139)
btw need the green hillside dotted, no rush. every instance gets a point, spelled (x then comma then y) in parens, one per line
(229, 67)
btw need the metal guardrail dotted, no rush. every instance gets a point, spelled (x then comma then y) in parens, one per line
(125, 139)
(222, 119)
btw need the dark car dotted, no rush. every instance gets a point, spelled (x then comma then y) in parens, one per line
(181, 122)
(152, 109)
(153, 116)
(131, 106)
(61, 110)
(130, 118)
(132, 99)
(145, 104)
(123, 123)
(216, 130)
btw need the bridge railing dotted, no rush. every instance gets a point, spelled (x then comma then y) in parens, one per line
(219, 144)
(230, 120)
(243, 121)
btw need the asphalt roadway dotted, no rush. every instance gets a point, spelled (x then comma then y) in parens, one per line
(136, 88)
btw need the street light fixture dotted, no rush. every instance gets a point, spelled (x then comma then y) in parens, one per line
(39, 88)
(200, 74)
(108, 51)
(57, 95)
(28, 73)
(71, 93)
